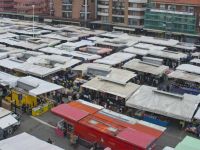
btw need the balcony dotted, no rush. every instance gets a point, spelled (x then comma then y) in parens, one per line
(136, 9)
(102, 13)
(102, 6)
(138, 1)
(171, 12)
(135, 17)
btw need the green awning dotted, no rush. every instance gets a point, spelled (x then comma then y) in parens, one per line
(188, 143)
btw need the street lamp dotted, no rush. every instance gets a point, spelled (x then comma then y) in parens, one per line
(86, 10)
(33, 6)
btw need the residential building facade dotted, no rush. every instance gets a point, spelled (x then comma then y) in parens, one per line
(41, 7)
(7, 6)
(124, 13)
(173, 16)
(74, 9)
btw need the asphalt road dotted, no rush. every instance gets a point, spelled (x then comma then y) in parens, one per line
(43, 127)
(43, 130)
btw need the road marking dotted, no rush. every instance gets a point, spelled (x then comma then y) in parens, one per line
(173, 136)
(43, 122)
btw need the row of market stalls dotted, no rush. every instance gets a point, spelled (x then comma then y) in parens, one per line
(148, 99)
(148, 72)
(185, 79)
(164, 103)
(31, 94)
(38, 64)
(112, 89)
(103, 128)
(112, 69)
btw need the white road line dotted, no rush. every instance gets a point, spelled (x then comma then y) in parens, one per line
(173, 136)
(43, 122)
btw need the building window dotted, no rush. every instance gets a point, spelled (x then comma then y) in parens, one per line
(171, 7)
(183, 8)
(132, 21)
(191, 9)
(118, 19)
(162, 6)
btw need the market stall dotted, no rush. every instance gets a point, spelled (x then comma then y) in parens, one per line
(163, 103)
(8, 123)
(116, 59)
(170, 58)
(148, 73)
(26, 141)
(32, 95)
(86, 57)
(189, 68)
(94, 124)
(96, 50)
(195, 62)
(184, 82)
(108, 92)
(82, 69)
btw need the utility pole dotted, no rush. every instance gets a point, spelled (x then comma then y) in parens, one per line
(33, 6)
(86, 10)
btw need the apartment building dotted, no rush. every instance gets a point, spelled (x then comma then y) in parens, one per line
(173, 16)
(41, 7)
(7, 6)
(124, 13)
(74, 9)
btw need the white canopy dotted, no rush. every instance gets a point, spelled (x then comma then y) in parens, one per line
(52, 50)
(168, 54)
(196, 54)
(159, 41)
(8, 79)
(189, 68)
(10, 63)
(120, 90)
(136, 51)
(168, 148)
(119, 76)
(82, 55)
(25, 141)
(67, 37)
(171, 105)
(7, 121)
(4, 112)
(42, 86)
(37, 70)
(8, 35)
(138, 65)
(149, 46)
(84, 67)
(23, 44)
(77, 54)
(186, 46)
(73, 45)
(44, 65)
(197, 61)
(184, 76)
(115, 58)
(113, 34)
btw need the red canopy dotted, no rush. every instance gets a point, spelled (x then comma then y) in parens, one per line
(68, 112)
(136, 138)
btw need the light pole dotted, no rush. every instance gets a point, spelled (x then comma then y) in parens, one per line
(33, 20)
(86, 10)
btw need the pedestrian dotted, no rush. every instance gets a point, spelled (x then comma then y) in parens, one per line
(49, 141)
